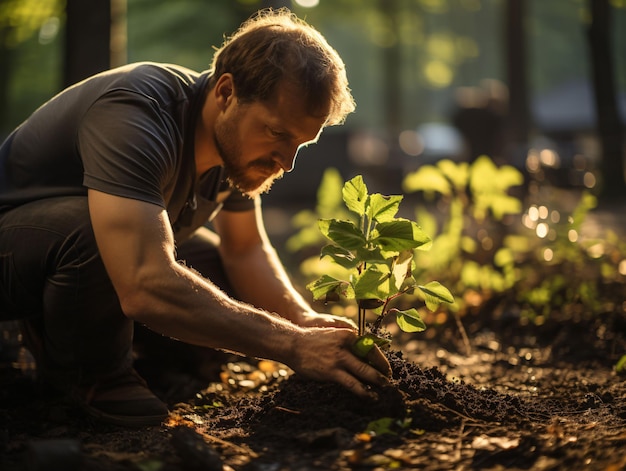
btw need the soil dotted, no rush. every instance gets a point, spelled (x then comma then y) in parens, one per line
(517, 396)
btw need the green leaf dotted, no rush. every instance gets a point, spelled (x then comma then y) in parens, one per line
(355, 195)
(409, 320)
(500, 204)
(341, 256)
(457, 173)
(620, 367)
(381, 426)
(327, 284)
(387, 426)
(371, 255)
(408, 284)
(398, 235)
(428, 179)
(509, 176)
(329, 195)
(372, 284)
(489, 185)
(343, 233)
(383, 208)
(482, 174)
(366, 342)
(402, 267)
(434, 294)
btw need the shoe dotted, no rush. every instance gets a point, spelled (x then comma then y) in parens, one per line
(123, 399)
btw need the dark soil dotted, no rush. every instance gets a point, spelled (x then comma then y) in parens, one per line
(524, 397)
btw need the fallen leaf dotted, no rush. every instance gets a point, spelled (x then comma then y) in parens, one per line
(485, 442)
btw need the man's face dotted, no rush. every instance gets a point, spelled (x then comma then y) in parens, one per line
(258, 141)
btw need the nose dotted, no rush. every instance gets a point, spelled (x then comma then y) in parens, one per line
(287, 160)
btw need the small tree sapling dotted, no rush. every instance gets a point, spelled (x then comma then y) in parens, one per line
(378, 253)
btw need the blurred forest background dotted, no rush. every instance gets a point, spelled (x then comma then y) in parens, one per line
(433, 79)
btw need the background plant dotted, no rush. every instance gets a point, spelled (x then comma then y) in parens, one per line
(561, 268)
(471, 217)
(531, 262)
(539, 261)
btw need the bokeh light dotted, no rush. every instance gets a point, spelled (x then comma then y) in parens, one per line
(542, 230)
(411, 142)
(307, 3)
(548, 255)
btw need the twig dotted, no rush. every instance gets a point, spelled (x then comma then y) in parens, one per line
(463, 416)
(284, 409)
(230, 444)
(459, 443)
(466, 342)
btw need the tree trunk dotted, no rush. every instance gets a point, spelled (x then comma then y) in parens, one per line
(87, 39)
(608, 121)
(391, 63)
(518, 127)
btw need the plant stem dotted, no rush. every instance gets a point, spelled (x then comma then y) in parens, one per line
(361, 321)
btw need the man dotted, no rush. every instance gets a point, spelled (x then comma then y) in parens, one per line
(104, 195)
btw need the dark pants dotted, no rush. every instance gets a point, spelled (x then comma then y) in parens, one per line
(53, 278)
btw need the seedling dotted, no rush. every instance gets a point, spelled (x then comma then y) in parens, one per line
(378, 254)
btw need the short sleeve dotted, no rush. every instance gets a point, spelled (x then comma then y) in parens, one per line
(128, 147)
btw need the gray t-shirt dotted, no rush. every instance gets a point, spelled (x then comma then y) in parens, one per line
(127, 132)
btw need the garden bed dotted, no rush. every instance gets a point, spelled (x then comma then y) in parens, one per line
(522, 397)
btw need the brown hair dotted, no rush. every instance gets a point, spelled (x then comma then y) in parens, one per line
(275, 46)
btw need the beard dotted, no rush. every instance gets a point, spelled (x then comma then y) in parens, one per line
(252, 178)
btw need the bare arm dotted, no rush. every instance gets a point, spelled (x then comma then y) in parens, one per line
(257, 274)
(137, 248)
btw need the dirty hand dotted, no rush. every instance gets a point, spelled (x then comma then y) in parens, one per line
(324, 354)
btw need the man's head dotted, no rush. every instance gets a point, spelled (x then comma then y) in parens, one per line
(275, 49)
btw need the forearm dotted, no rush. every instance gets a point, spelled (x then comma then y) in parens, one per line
(260, 279)
(182, 305)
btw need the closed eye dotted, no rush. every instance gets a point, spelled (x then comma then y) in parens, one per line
(275, 133)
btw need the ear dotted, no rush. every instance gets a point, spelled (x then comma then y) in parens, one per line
(224, 91)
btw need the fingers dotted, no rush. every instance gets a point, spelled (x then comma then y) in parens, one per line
(326, 354)
(328, 320)
(358, 376)
(344, 323)
(371, 374)
(379, 361)
(353, 385)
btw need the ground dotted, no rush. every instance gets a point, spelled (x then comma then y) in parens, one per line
(518, 396)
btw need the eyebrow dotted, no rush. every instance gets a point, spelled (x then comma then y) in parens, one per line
(279, 126)
(283, 131)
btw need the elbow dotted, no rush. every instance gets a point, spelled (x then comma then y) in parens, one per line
(148, 294)
(134, 305)
(138, 300)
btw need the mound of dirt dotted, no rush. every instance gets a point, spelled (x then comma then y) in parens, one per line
(524, 397)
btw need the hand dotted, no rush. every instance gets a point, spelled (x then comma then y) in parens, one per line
(315, 319)
(324, 354)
